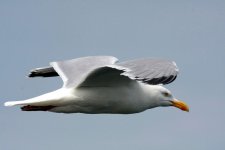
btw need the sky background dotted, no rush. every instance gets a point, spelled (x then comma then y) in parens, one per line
(192, 33)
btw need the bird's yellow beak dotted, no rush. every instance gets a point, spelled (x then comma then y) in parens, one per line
(181, 105)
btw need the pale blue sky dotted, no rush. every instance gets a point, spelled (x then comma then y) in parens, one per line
(34, 33)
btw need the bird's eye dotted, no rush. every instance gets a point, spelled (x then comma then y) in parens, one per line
(166, 94)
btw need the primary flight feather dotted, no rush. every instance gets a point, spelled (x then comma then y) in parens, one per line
(101, 84)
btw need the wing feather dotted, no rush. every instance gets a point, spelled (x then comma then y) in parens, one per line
(73, 72)
(151, 71)
(99, 70)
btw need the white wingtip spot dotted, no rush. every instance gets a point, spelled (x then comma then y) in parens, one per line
(174, 63)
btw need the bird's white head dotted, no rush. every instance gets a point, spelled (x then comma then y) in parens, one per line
(164, 98)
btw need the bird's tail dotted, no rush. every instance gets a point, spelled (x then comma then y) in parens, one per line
(28, 107)
(31, 105)
(46, 101)
(42, 102)
(13, 103)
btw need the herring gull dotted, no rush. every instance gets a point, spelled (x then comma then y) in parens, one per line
(101, 84)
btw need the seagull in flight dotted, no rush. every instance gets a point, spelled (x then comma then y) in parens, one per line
(101, 84)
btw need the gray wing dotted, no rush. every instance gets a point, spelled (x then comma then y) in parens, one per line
(75, 71)
(151, 71)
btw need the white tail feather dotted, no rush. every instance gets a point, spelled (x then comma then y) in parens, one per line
(55, 98)
(12, 103)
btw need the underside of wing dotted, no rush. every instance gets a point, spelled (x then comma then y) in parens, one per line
(107, 76)
(151, 71)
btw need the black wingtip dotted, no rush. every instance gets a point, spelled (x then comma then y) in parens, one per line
(43, 72)
(34, 73)
(31, 74)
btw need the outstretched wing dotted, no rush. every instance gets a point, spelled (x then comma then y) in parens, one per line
(102, 71)
(151, 71)
(73, 72)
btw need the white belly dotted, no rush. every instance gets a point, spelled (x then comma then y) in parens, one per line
(121, 100)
